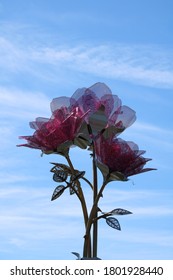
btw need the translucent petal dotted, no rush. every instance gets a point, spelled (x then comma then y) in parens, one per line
(112, 105)
(59, 102)
(98, 121)
(77, 94)
(100, 89)
(89, 101)
(127, 116)
(133, 146)
(37, 124)
(121, 156)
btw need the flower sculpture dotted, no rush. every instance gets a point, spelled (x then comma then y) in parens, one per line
(116, 156)
(92, 118)
(51, 134)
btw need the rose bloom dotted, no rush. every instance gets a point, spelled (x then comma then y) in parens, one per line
(89, 100)
(121, 157)
(94, 106)
(61, 129)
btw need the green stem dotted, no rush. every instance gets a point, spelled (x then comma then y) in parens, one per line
(95, 192)
(91, 218)
(86, 180)
(84, 207)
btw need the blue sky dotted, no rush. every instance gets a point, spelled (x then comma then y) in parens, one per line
(49, 49)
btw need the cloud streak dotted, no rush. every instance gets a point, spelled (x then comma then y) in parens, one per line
(23, 104)
(34, 219)
(135, 64)
(145, 65)
(21, 223)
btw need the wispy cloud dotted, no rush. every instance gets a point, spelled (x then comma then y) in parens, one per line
(118, 62)
(144, 203)
(23, 104)
(151, 134)
(7, 178)
(33, 218)
(31, 212)
(153, 211)
(161, 238)
(135, 63)
(146, 65)
(153, 128)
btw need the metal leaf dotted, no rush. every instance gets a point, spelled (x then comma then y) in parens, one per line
(60, 176)
(112, 130)
(77, 255)
(112, 222)
(60, 166)
(58, 192)
(117, 176)
(77, 176)
(113, 176)
(120, 211)
(103, 168)
(98, 120)
(74, 186)
(63, 149)
(81, 142)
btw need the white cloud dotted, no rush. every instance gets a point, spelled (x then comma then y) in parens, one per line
(7, 178)
(147, 127)
(143, 204)
(11, 55)
(159, 237)
(23, 104)
(151, 135)
(6, 192)
(146, 65)
(118, 62)
(161, 210)
(29, 217)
